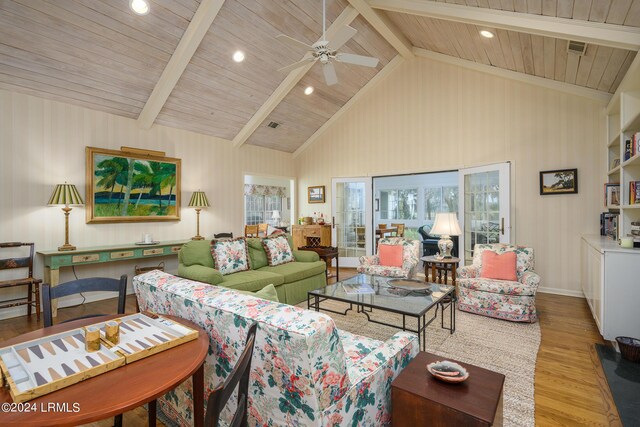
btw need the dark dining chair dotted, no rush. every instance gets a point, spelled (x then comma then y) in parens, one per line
(223, 236)
(240, 374)
(94, 284)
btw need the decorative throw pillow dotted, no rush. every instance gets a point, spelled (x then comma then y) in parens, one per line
(277, 249)
(390, 255)
(499, 267)
(268, 292)
(230, 256)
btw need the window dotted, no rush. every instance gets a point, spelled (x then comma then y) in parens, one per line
(258, 209)
(440, 199)
(399, 204)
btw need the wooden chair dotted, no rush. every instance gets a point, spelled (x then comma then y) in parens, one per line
(360, 237)
(49, 293)
(240, 375)
(223, 236)
(382, 226)
(400, 229)
(262, 230)
(250, 231)
(32, 299)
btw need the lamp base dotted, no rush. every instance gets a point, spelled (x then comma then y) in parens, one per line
(198, 237)
(66, 247)
(445, 245)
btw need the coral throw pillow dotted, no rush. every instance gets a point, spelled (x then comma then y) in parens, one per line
(230, 256)
(277, 248)
(500, 267)
(390, 255)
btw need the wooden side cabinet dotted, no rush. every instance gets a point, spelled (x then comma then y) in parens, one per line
(418, 399)
(311, 235)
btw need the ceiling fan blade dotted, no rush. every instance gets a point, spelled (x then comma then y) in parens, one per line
(343, 35)
(349, 58)
(293, 42)
(296, 65)
(329, 74)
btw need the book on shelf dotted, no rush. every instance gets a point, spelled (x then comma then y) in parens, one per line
(612, 194)
(632, 146)
(627, 149)
(634, 192)
(609, 225)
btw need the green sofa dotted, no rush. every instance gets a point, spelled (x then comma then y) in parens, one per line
(292, 280)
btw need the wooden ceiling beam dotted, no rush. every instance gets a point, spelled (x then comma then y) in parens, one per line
(385, 27)
(195, 32)
(292, 79)
(616, 36)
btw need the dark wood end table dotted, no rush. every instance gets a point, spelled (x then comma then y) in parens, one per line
(441, 267)
(419, 399)
(326, 253)
(119, 390)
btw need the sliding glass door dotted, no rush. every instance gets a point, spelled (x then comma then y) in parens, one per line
(484, 207)
(351, 219)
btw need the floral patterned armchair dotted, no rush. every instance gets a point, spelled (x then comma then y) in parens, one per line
(304, 371)
(411, 248)
(502, 299)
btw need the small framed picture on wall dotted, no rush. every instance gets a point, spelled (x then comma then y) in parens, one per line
(562, 181)
(316, 194)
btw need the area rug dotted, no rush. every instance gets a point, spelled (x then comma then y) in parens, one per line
(506, 347)
(623, 378)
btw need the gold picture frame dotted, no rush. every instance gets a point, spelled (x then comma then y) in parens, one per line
(131, 186)
(315, 194)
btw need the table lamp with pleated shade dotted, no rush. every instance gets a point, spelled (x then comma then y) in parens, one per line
(198, 200)
(66, 195)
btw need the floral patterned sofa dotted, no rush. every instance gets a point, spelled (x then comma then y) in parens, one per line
(305, 371)
(411, 249)
(503, 299)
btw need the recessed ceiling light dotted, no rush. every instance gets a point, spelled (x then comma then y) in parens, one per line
(238, 56)
(487, 34)
(308, 90)
(141, 7)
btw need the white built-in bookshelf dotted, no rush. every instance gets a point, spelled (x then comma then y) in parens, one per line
(623, 121)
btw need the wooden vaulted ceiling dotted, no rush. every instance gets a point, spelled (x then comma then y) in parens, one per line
(100, 55)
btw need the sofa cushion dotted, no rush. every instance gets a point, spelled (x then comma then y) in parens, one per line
(230, 256)
(294, 271)
(251, 280)
(499, 266)
(268, 292)
(277, 249)
(196, 252)
(390, 255)
(257, 253)
(504, 287)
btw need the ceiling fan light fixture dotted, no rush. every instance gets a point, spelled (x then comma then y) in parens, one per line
(238, 56)
(308, 90)
(487, 34)
(139, 7)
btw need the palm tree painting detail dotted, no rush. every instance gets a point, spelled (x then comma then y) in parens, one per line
(126, 187)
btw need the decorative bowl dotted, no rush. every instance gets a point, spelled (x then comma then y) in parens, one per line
(448, 371)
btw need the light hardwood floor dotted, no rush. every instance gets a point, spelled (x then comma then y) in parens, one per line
(570, 388)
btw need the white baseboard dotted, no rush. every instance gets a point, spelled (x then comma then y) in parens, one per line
(559, 291)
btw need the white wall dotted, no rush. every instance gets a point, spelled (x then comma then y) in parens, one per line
(431, 116)
(42, 144)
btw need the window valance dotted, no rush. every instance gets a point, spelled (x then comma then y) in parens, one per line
(264, 190)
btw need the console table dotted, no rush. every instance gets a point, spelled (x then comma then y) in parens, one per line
(54, 260)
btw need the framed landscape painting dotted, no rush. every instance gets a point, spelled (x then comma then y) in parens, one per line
(130, 187)
(315, 194)
(562, 181)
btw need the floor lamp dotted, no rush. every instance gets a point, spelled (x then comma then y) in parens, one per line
(66, 195)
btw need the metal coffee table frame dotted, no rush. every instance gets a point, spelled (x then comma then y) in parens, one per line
(446, 301)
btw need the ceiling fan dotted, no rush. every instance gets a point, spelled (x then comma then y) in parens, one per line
(325, 51)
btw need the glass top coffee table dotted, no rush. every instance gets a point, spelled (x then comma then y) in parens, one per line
(409, 298)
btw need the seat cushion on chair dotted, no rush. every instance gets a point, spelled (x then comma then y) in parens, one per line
(381, 270)
(390, 255)
(500, 267)
(503, 287)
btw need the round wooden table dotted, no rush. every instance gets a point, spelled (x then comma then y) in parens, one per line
(442, 266)
(116, 391)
